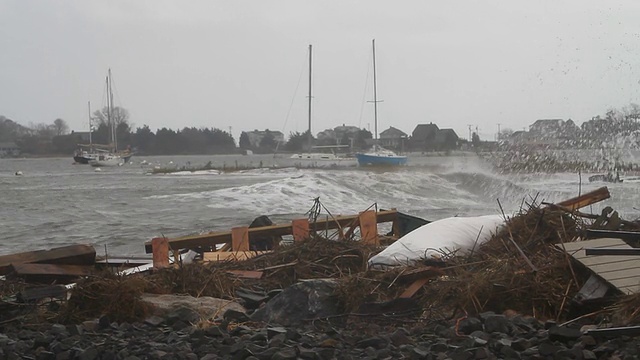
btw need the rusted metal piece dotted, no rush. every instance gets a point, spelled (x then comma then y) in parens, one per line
(587, 199)
(208, 242)
(71, 255)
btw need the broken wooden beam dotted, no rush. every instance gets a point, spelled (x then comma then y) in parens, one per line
(42, 292)
(71, 255)
(210, 240)
(240, 238)
(612, 251)
(369, 227)
(230, 255)
(300, 229)
(48, 273)
(587, 199)
(624, 235)
(160, 247)
(246, 274)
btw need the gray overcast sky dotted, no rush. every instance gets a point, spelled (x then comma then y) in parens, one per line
(238, 63)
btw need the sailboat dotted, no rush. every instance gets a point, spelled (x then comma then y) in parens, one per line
(320, 159)
(86, 152)
(111, 157)
(378, 155)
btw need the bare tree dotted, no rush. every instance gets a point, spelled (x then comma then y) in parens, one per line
(60, 126)
(118, 116)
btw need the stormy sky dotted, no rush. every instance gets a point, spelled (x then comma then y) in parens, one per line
(244, 63)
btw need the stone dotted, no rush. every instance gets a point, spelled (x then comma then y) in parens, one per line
(207, 307)
(588, 355)
(214, 331)
(400, 337)
(374, 342)
(210, 357)
(90, 326)
(497, 323)
(469, 325)
(232, 315)
(89, 354)
(154, 320)
(547, 349)
(520, 344)
(588, 340)
(299, 302)
(563, 334)
(182, 313)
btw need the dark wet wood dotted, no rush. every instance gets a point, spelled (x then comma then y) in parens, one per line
(71, 255)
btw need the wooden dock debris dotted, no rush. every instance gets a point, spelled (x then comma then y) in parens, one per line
(623, 272)
(624, 235)
(369, 227)
(208, 242)
(42, 292)
(300, 229)
(587, 199)
(230, 255)
(48, 273)
(420, 276)
(246, 274)
(70, 255)
(160, 248)
(240, 238)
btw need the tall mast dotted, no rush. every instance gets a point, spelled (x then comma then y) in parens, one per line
(114, 138)
(90, 128)
(310, 136)
(375, 95)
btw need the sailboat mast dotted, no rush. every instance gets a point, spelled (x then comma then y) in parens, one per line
(90, 127)
(114, 137)
(375, 94)
(310, 136)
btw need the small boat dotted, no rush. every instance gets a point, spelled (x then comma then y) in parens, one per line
(320, 159)
(378, 155)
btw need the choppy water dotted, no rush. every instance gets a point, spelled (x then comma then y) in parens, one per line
(56, 203)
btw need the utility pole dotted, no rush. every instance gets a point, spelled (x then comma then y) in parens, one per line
(498, 137)
(470, 127)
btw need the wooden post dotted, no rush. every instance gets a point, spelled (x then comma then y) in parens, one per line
(369, 227)
(300, 229)
(396, 225)
(160, 247)
(240, 238)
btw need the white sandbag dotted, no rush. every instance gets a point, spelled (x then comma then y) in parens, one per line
(449, 234)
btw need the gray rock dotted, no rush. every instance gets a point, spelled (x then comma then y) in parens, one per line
(400, 337)
(375, 342)
(89, 354)
(563, 334)
(210, 357)
(469, 325)
(214, 331)
(232, 315)
(547, 349)
(498, 323)
(588, 355)
(299, 302)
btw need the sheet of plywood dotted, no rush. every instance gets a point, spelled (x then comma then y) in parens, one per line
(71, 255)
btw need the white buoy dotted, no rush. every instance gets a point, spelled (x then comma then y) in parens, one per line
(97, 169)
(18, 173)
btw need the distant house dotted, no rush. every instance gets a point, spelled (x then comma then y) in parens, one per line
(423, 136)
(392, 138)
(445, 139)
(9, 149)
(82, 136)
(340, 135)
(256, 136)
(553, 132)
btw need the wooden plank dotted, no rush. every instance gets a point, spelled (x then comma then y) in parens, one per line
(587, 199)
(160, 247)
(369, 227)
(42, 292)
(632, 289)
(593, 243)
(72, 255)
(231, 255)
(51, 270)
(214, 238)
(612, 251)
(413, 288)
(240, 238)
(246, 274)
(624, 235)
(300, 229)
(615, 266)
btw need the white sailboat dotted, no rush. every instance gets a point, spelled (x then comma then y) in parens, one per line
(378, 155)
(110, 158)
(319, 158)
